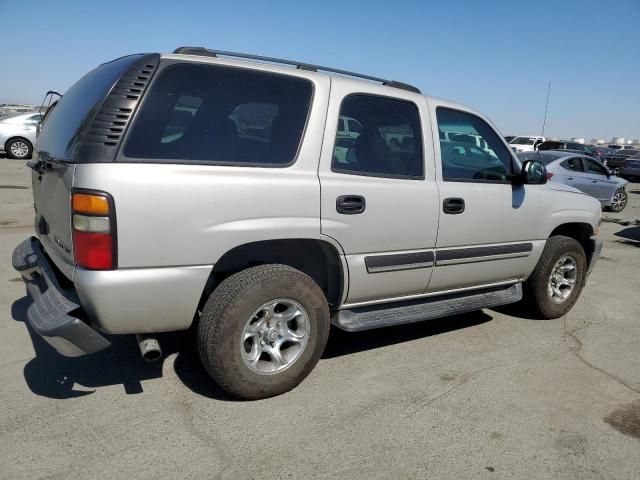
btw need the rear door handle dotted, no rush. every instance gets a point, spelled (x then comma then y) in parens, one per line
(453, 205)
(350, 204)
(594, 181)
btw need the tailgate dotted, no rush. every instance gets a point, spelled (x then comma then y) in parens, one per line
(52, 202)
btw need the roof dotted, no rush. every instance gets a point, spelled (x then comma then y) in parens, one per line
(206, 52)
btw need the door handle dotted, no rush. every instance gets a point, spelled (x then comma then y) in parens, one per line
(594, 181)
(350, 204)
(453, 205)
(569, 178)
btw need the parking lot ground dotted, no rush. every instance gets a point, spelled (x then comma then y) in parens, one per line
(483, 395)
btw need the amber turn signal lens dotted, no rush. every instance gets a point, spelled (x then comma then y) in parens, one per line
(87, 203)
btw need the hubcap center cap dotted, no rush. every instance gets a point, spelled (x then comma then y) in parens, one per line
(271, 335)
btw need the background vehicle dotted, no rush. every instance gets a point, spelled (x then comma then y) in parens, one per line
(603, 152)
(569, 146)
(508, 138)
(631, 168)
(584, 173)
(18, 134)
(206, 188)
(617, 158)
(525, 144)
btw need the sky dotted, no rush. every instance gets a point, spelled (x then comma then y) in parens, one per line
(496, 56)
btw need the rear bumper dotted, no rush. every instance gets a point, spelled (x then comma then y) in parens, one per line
(595, 245)
(51, 313)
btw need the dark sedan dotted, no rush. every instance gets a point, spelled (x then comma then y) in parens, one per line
(631, 168)
(569, 146)
(617, 159)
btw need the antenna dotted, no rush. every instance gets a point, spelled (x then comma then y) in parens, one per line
(546, 107)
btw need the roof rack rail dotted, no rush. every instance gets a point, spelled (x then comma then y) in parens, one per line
(206, 52)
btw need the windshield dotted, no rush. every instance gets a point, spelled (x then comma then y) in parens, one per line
(522, 141)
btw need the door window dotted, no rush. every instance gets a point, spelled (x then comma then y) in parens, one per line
(594, 167)
(386, 138)
(462, 159)
(573, 164)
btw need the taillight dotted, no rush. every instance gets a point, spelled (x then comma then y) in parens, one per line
(93, 222)
(549, 175)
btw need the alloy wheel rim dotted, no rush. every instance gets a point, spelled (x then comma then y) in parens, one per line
(19, 149)
(619, 200)
(275, 336)
(562, 280)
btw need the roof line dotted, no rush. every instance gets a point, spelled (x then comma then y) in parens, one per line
(206, 52)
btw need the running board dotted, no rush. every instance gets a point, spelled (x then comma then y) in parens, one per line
(376, 316)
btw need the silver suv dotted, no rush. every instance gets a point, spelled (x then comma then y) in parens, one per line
(205, 189)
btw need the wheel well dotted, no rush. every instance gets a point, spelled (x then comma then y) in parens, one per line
(581, 232)
(316, 258)
(17, 138)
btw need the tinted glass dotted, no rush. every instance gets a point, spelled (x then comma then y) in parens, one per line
(61, 133)
(208, 113)
(551, 146)
(544, 158)
(462, 157)
(522, 141)
(389, 142)
(355, 127)
(596, 168)
(573, 164)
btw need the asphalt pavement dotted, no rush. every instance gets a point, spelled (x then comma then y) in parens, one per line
(482, 395)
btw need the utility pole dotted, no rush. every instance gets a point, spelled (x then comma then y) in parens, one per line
(546, 107)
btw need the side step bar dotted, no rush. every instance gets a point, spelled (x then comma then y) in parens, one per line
(376, 316)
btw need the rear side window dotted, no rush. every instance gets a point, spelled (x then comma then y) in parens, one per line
(222, 115)
(593, 167)
(470, 150)
(384, 138)
(573, 164)
(61, 133)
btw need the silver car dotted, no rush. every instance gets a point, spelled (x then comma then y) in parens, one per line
(18, 134)
(584, 173)
(188, 190)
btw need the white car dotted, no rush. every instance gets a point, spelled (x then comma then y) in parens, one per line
(525, 144)
(18, 134)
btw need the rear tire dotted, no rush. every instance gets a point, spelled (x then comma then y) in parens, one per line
(263, 330)
(620, 199)
(18, 149)
(555, 285)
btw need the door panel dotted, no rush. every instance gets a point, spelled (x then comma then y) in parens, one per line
(495, 238)
(596, 180)
(388, 242)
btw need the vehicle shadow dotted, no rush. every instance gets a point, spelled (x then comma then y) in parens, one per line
(631, 236)
(51, 375)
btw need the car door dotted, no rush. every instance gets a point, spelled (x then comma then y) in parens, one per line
(597, 179)
(573, 173)
(488, 229)
(380, 201)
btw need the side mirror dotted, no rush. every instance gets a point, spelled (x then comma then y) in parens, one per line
(532, 172)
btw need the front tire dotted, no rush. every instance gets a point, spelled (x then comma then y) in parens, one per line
(619, 201)
(555, 285)
(263, 330)
(18, 149)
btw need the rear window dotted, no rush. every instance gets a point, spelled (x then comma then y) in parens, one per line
(545, 158)
(61, 133)
(222, 115)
